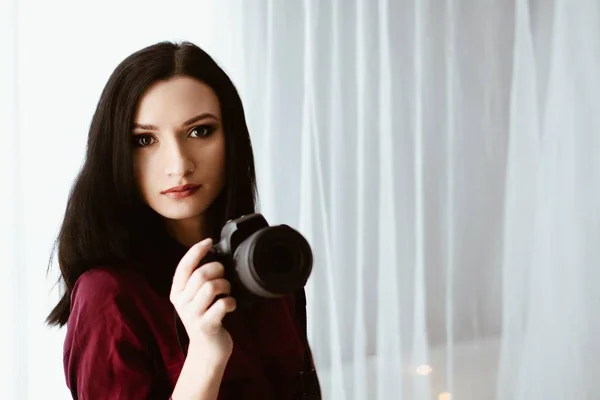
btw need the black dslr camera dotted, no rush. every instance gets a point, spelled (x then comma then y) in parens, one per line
(262, 261)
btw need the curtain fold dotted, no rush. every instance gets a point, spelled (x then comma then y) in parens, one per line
(430, 191)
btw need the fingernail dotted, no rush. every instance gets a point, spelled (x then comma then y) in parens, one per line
(206, 242)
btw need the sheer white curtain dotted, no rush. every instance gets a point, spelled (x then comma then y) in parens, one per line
(552, 221)
(441, 156)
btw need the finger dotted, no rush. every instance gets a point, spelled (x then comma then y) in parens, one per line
(207, 293)
(188, 263)
(200, 276)
(212, 320)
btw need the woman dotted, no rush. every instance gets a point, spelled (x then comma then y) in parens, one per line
(168, 162)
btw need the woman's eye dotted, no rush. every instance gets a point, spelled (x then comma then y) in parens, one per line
(142, 140)
(202, 131)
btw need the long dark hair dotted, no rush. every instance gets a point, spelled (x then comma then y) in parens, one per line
(105, 219)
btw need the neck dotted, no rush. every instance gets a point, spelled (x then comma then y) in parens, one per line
(189, 231)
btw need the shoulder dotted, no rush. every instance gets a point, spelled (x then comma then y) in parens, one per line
(108, 342)
(99, 279)
(106, 306)
(108, 293)
(103, 284)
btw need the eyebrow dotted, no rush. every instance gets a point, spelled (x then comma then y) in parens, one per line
(186, 123)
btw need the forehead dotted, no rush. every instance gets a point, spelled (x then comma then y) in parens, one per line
(176, 100)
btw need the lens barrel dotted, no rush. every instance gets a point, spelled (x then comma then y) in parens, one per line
(273, 261)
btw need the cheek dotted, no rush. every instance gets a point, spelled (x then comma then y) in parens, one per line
(141, 174)
(221, 164)
(212, 160)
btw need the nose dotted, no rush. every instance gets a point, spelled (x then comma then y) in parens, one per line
(177, 160)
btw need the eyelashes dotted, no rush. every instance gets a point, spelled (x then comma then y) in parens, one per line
(142, 140)
(197, 132)
(206, 130)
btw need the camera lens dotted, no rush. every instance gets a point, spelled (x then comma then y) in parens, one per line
(274, 261)
(279, 258)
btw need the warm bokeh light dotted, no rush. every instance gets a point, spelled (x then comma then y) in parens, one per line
(424, 370)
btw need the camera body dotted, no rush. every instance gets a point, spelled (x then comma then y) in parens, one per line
(262, 261)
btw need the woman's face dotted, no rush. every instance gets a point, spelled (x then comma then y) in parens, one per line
(179, 148)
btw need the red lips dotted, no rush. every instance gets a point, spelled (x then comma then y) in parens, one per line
(178, 189)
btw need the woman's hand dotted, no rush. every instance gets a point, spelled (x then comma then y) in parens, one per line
(193, 294)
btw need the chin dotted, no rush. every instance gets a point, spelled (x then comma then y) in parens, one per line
(180, 211)
(182, 214)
